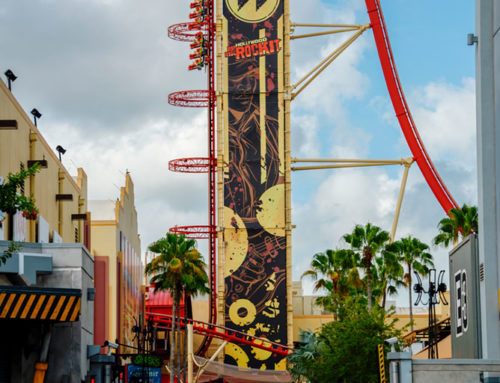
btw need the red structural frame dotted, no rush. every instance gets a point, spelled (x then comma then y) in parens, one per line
(192, 98)
(201, 98)
(192, 165)
(195, 232)
(186, 31)
(401, 107)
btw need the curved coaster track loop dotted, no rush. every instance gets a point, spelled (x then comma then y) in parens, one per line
(401, 109)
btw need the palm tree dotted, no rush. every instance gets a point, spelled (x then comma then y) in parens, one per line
(390, 274)
(304, 356)
(336, 272)
(178, 268)
(368, 240)
(415, 256)
(459, 224)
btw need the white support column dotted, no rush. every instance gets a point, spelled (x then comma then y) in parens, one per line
(488, 146)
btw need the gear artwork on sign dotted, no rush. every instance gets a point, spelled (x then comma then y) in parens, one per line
(255, 252)
(252, 11)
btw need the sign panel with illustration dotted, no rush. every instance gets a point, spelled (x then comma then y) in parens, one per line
(255, 256)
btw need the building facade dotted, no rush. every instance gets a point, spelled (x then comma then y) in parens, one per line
(46, 286)
(116, 247)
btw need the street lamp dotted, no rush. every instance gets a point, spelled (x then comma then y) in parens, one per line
(36, 114)
(61, 150)
(11, 77)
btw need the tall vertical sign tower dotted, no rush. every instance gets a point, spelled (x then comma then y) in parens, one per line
(254, 176)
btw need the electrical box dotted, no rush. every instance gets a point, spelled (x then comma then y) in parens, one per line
(464, 300)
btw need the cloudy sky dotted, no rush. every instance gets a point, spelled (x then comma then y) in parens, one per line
(100, 72)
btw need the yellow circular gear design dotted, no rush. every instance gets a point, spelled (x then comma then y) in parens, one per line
(252, 11)
(236, 238)
(242, 320)
(271, 215)
(260, 354)
(281, 365)
(237, 353)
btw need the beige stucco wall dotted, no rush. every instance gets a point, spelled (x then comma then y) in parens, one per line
(26, 143)
(106, 242)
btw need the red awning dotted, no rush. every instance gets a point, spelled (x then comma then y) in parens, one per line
(160, 302)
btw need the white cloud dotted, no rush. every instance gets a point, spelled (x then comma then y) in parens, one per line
(445, 115)
(163, 198)
(305, 136)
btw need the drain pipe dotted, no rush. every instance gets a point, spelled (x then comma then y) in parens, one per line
(41, 366)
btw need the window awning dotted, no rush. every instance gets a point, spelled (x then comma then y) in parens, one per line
(39, 303)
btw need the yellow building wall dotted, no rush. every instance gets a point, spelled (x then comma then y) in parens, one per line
(106, 242)
(26, 143)
(306, 322)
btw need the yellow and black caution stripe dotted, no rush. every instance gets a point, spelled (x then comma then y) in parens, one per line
(381, 360)
(39, 303)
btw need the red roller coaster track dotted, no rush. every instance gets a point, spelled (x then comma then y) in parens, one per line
(191, 98)
(214, 331)
(195, 232)
(186, 31)
(192, 165)
(201, 99)
(401, 108)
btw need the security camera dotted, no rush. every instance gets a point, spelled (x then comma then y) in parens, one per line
(107, 343)
(391, 342)
(110, 345)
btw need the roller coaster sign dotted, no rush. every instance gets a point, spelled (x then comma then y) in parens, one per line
(254, 48)
(255, 260)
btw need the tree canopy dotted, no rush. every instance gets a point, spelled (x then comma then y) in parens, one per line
(11, 201)
(459, 224)
(343, 351)
(179, 268)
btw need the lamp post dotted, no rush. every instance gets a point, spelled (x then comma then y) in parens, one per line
(11, 77)
(36, 115)
(61, 151)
